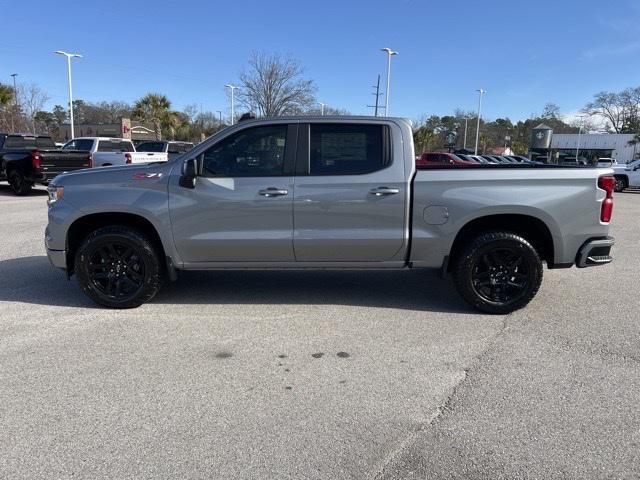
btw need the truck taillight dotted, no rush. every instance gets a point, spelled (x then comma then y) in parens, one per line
(607, 183)
(89, 161)
(127, 158)
(36, 162)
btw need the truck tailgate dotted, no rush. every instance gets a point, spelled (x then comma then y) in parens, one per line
(54, 162)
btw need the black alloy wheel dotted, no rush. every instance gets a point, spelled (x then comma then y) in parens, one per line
(498, 272)
(116, 270)
(501, 275)
(119, 267)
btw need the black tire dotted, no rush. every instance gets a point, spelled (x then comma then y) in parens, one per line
(621, 184)
(498, 272)
(19, 184)
(118, 267)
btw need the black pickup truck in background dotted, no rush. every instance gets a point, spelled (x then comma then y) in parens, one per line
(29, 159)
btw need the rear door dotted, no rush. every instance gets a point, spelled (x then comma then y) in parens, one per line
(350, 194)
(241, 209)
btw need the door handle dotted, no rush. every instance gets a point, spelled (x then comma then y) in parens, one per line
(382, 191)
(273, 192)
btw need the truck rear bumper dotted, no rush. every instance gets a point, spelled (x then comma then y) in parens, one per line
(594, 252)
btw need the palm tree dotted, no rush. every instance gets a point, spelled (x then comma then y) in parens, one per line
(154, 108)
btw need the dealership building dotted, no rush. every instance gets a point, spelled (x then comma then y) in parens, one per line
(562, 147)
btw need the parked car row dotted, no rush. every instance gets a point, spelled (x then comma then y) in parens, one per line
(26, 160)
(435, 159)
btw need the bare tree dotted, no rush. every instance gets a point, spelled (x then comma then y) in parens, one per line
(621, 111)
(273, 85)
(32, 99)
(551, 110)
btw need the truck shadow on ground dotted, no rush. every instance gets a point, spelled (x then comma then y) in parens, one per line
(33, 280)
(6, 191)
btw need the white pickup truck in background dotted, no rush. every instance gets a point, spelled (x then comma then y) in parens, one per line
(627, 175)
(170, 147)
(112, 151)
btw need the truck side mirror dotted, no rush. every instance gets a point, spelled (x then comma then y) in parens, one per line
(189, 173)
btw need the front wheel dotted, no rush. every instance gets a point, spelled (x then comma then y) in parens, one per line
(19, 184)
(499, 272)
(118, 267)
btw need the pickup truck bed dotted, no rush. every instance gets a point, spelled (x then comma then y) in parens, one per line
(345, 194)
(27, 160)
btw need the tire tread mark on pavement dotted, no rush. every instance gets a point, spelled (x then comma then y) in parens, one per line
(379, 472)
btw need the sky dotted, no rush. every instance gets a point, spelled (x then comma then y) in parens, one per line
(524, 54)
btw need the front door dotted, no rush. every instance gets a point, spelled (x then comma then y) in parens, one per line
(351, 196)
(241, 207)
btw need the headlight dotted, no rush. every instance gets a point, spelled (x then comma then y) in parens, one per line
(55, 193)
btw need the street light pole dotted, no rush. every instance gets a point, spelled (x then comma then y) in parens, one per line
(321, 108)
(386, 94)
(232, 88)
(15, 102)
(481, 92)
(69, 57)
(220, 116)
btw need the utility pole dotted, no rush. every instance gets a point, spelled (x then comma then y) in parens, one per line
(376, 94)
(321, 108)
(481, 92)
(15, 102)
(220, 116)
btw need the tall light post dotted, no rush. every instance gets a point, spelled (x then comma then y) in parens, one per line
(69, 57)
(232, 88)
(386, 94)
(481, 92)
(15, 102)
(220, 116)
(321, 108)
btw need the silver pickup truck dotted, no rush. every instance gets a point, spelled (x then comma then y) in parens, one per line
(326, 193)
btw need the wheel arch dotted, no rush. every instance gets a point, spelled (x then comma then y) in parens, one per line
(83, 226)
(531, 228)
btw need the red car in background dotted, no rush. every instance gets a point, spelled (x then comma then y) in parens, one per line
(438, 159)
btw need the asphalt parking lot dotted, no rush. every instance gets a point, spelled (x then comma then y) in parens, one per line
(316, 375)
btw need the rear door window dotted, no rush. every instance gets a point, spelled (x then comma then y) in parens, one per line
(343, 149)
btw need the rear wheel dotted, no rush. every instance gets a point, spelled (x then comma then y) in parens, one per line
(118, 267)
(19, 184)
(620, 184)
(499, 272)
